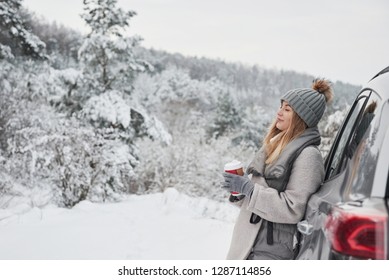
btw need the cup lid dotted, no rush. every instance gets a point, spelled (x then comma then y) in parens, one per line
(233, 165)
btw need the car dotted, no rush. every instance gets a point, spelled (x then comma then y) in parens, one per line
(347, 218)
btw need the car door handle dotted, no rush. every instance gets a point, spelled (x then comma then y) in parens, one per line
(304, 227)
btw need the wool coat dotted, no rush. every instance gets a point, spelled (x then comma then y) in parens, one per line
(283, 208)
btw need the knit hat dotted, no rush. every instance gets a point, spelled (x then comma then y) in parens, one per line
(310, 103)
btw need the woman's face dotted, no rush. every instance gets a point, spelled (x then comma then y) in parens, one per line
(284, 116)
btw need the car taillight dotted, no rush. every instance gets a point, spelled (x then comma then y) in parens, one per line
(353, 233)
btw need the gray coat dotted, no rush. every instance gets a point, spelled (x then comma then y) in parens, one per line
(285, 209)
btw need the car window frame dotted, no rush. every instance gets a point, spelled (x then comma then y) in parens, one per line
(364, 94)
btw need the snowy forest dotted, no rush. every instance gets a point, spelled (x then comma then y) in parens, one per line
(96, 117)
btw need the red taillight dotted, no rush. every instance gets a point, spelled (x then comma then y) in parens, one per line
(359, 235)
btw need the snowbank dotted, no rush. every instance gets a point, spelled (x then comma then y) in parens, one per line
(158, 226)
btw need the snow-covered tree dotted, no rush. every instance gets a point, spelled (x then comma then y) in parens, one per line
(190, 164)
(64, 159)
(227, 116)
(62, 43)
(107, 55)
(329, 127)
(46, 152)
(15, 36)
(114, 110)
(176, 84)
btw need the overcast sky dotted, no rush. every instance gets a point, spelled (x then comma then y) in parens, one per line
(346, 40)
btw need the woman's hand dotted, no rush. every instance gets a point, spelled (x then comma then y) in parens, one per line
(236, 183)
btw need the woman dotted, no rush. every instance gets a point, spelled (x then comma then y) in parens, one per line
(284, 173)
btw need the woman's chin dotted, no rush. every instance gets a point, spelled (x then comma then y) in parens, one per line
(279, 126)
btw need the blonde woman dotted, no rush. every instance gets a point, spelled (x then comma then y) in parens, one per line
(283, 174)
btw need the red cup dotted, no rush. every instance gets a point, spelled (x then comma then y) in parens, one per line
(234, 167)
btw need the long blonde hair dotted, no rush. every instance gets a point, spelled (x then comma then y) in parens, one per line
(276, 140)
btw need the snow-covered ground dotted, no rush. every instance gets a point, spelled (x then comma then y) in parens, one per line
(166, 225)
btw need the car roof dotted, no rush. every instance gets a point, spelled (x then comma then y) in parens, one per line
(380, 83)
(386, 70)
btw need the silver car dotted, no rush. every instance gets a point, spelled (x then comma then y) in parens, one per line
(348, 217)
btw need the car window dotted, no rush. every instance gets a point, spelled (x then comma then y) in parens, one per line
(363, 126)
(338, 153)
(363, 150)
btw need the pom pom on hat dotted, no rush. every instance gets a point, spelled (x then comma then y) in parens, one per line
(310, 103)
(323, 86)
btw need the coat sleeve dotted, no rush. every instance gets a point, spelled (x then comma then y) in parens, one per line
(289, 206)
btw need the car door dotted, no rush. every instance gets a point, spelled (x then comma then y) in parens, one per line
(340, 180)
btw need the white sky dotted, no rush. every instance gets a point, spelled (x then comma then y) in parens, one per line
(346, 40)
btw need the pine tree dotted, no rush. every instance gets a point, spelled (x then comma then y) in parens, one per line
(107, 55)
(15, 37)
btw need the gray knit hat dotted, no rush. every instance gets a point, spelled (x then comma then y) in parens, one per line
(310, 103)
(307, 103)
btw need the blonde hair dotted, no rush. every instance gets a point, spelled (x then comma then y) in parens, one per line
(276, 140)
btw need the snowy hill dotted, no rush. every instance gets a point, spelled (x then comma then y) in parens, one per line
(158, 226)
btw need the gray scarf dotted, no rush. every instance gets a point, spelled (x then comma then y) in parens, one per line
(277, 174)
